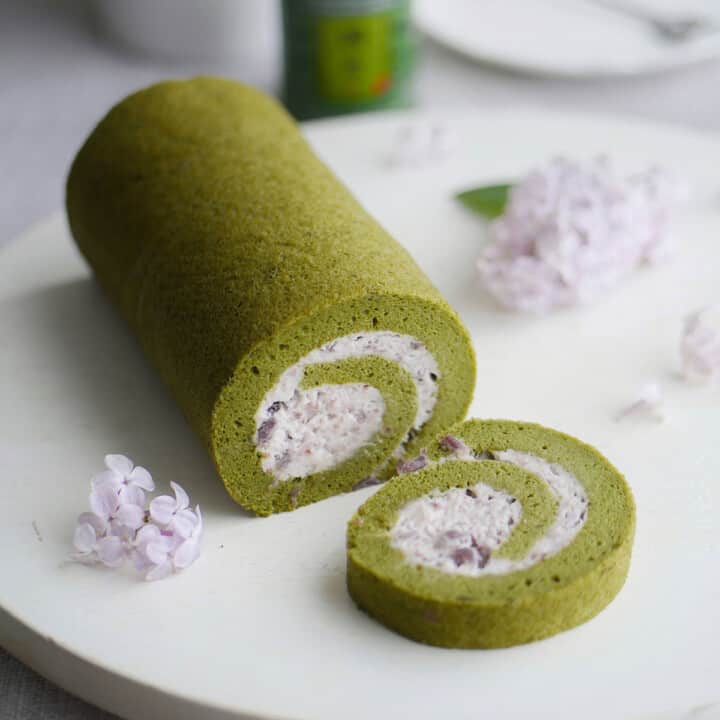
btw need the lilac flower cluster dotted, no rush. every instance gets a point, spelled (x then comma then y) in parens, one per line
(159, 537)
(570, 232)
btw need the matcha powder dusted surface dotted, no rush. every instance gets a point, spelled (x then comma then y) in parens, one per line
(303, 344)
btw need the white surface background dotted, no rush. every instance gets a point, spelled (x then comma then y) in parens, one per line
(57, 77)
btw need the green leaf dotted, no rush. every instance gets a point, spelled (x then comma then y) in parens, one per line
(488, 201)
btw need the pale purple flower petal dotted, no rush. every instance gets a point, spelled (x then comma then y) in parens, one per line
(148, 533)
(104, 501)
(158, 572)
(181, 497)
(649, 404)
(156, 552)
(111, 551)
(131, 495)
(184, 522)
(98, 524)
(152, 547)
(130, 482)
(123, 532)
(141, 478)
(162, 509)
(130, 516)
(700, 344)
(89, 558)
(139, 561)
(174, 513)
(105, 478)
(187, 552)
(119, 463)
(84, 538)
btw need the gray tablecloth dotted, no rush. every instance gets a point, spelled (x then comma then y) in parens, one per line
(57, 76)
(27, 696)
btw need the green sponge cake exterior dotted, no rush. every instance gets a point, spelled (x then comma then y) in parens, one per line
(302, 342)
(508, 533)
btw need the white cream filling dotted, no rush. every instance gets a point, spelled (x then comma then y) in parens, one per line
(300, 432)
(458, 532)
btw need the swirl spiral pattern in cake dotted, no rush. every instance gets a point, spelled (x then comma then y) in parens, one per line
(303, 344)
(508, 533)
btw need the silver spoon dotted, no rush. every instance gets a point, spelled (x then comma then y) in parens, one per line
(676, 29)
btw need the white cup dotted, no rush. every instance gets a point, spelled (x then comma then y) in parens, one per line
(195, 29)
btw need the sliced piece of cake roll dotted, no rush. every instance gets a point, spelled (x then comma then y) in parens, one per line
(503, 533)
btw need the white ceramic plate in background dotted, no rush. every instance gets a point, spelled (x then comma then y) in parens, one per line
(571, 38)
(261, 626)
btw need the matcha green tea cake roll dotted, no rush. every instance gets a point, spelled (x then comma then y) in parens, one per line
(502, 534)
(304, 345)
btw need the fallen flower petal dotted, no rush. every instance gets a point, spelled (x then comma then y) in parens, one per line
(649, 403)
(700, 344)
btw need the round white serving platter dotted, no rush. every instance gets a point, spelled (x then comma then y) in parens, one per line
(568, 38)
(261, 626)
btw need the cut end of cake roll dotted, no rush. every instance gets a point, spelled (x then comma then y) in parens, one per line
(509, 533)
(333, 403)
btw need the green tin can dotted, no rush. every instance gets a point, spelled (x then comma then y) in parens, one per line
(345, 56)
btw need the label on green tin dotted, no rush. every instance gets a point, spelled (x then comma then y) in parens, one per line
(354, 56)
(346, 55)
